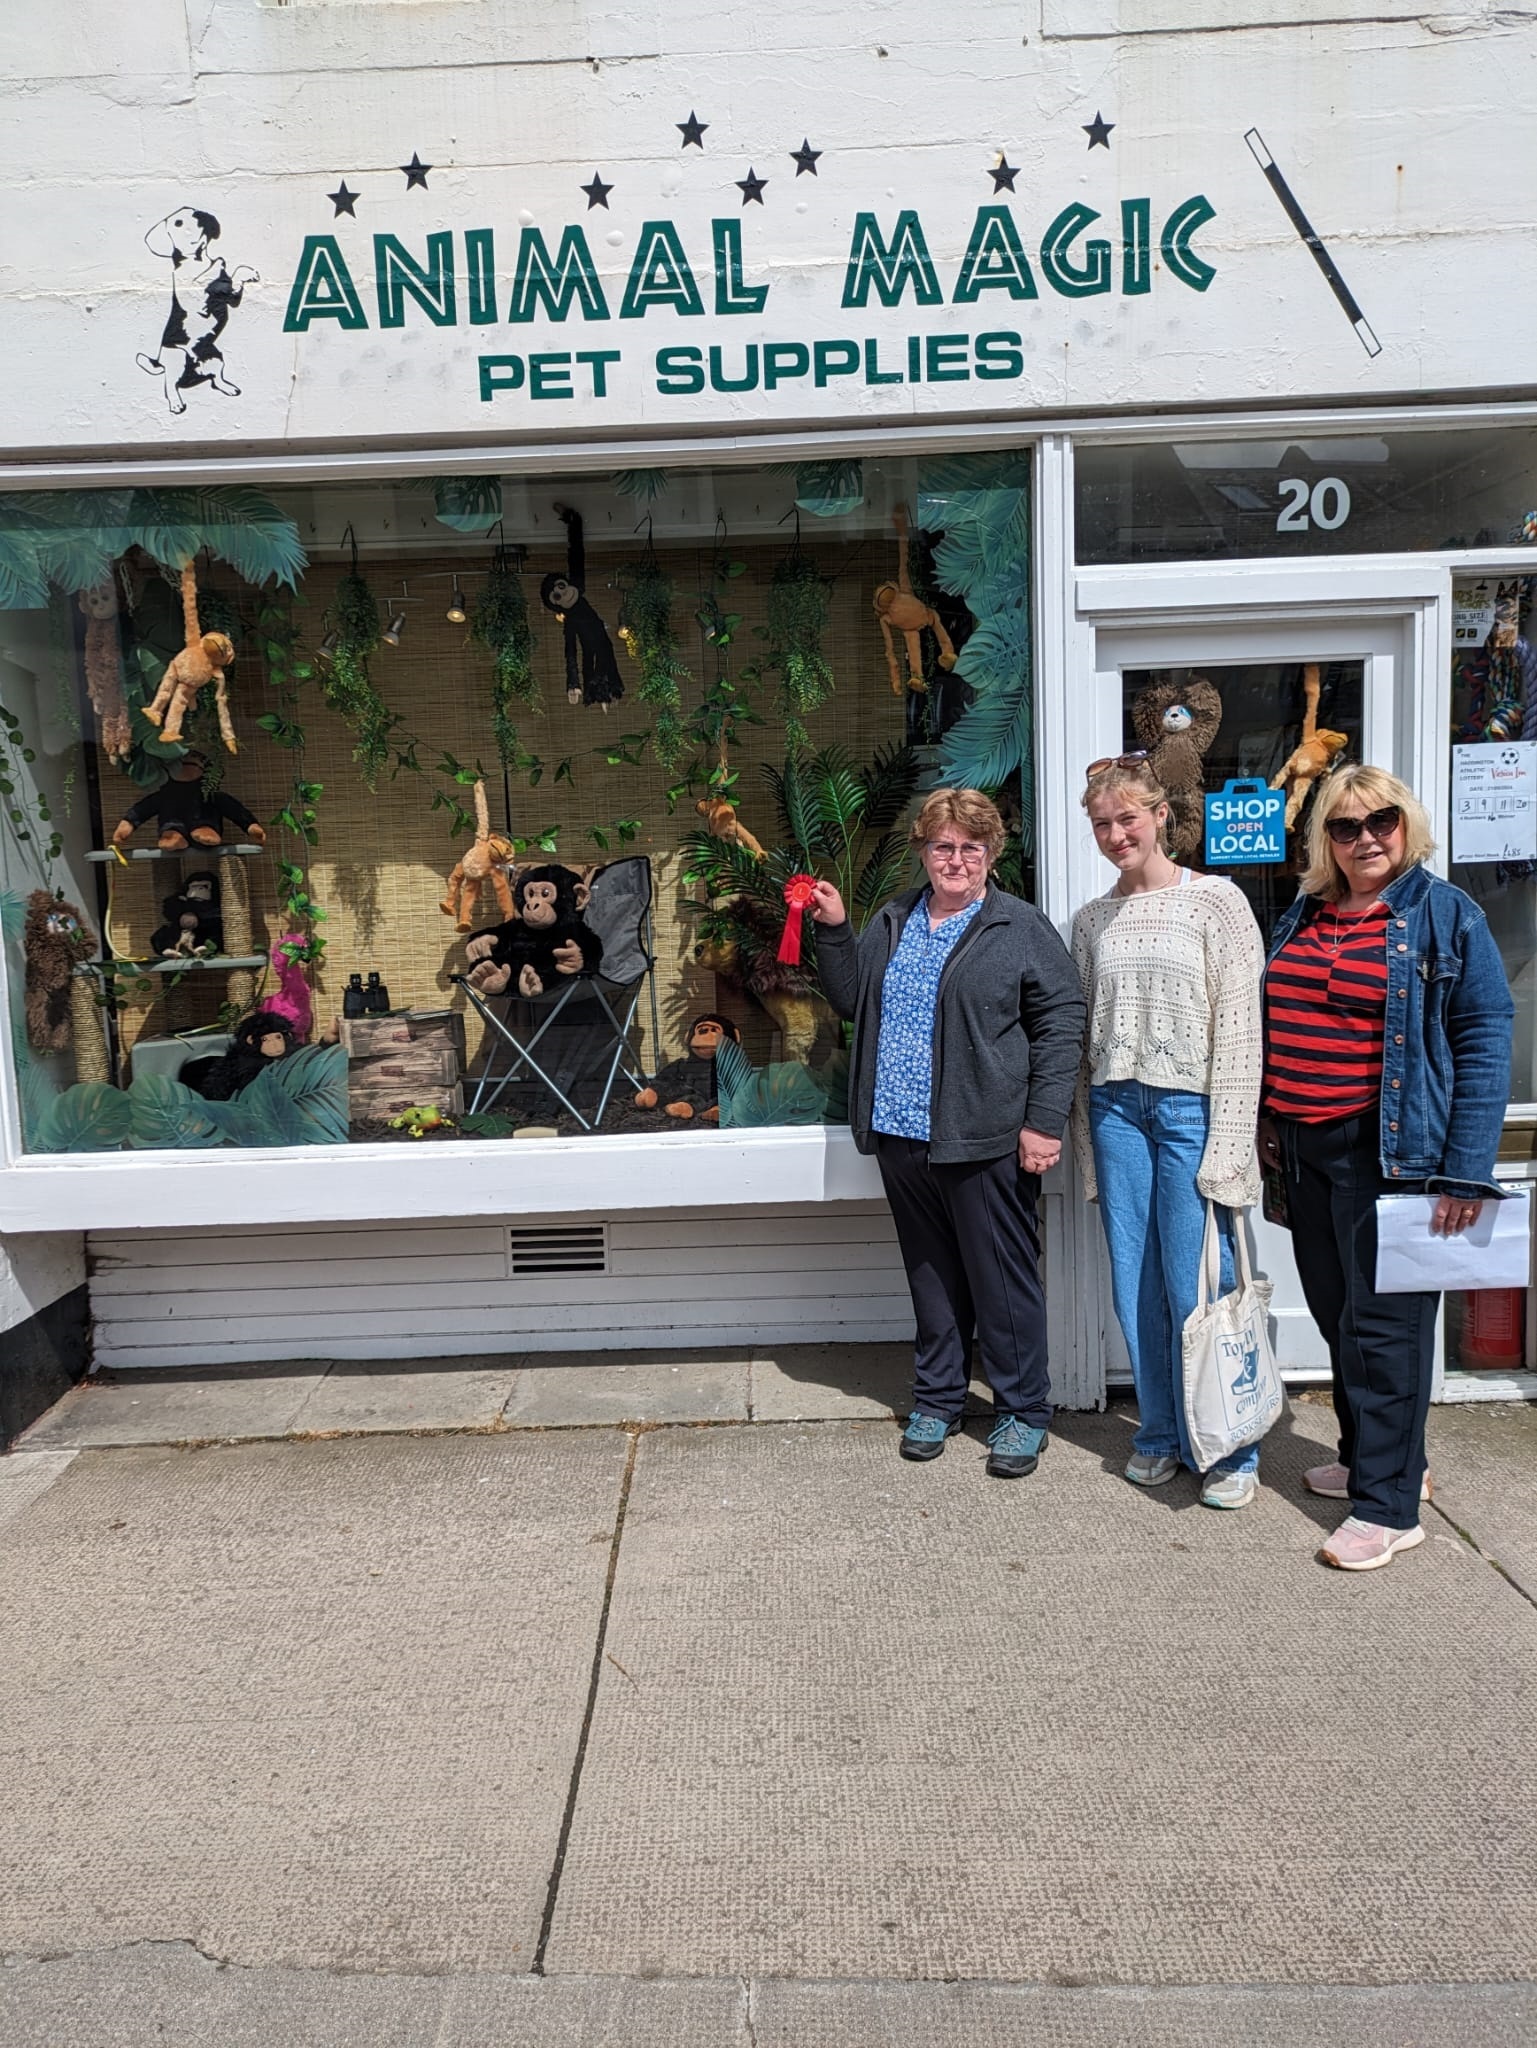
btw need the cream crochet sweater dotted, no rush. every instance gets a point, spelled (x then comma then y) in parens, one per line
(1171, 979)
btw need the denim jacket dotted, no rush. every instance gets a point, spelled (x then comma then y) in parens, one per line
(1447, 1038)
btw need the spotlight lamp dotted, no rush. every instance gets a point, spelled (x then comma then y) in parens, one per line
(456, 612)
(395, 630)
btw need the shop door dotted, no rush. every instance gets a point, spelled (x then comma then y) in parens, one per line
(1266, 677)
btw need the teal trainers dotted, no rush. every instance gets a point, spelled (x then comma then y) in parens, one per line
(1014, 1447)
(924, 1436)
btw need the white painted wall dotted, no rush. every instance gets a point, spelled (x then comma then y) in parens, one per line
(36, 1271)
(1399, 128)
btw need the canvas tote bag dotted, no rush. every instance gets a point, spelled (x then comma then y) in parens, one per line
(1232, 1387)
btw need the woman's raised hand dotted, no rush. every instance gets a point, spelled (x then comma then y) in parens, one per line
(827, 904)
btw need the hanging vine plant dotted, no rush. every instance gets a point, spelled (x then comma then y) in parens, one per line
(499, 623)
(346, 685)
(646, 628)
(799, 600)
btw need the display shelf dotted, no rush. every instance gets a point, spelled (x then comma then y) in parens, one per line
(223, 851)
(179, 963)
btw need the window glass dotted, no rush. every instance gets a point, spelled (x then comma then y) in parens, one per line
(497, 797)
(1330, 495)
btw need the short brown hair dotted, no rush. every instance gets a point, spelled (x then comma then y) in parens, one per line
(1375, 788)
(969, 811)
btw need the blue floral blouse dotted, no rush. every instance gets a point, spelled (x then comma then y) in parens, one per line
(904, 1056)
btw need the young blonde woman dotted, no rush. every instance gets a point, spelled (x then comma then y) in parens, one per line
(1165, 1112)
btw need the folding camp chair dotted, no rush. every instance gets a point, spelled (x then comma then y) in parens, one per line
(601, 1005)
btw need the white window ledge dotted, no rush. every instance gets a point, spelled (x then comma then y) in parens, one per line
(435, 1178)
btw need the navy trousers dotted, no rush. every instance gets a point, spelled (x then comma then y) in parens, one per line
(971, 1243)
(1381, 1346)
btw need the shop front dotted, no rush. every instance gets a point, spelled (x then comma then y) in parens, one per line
(408, 756)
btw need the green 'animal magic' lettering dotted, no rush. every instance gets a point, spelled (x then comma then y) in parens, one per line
(323, 288)
(554, 282)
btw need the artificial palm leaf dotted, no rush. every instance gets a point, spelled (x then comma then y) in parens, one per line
(90, 1117)
(238, 524)
(753, 1097)
(889, 780)
(884, 872)
(23, 582)
(468, 504)
(313, 1082)
(165, 1116)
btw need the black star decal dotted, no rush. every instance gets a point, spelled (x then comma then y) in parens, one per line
(597, 193)
(416, 172)
(343, 200)
(1098, 131)
(692, 131)
(805, 159)
(1003, 175)
(751, 187)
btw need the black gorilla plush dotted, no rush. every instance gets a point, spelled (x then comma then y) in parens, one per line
(259, 1039)
(520, 955)
(688, 1087)
(592, 673)
(192, 920)
(188, 813)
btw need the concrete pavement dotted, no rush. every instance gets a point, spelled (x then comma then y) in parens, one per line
(743, 1734)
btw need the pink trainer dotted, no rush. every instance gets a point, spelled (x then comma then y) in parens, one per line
(1358, 1546)
(1333, 1482)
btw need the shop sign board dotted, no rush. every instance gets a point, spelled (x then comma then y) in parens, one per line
(1245, 824)
(248, 274)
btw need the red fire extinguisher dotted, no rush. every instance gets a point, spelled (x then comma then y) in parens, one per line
(1494, 1326)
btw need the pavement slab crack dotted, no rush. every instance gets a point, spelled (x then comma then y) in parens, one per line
(573, 1792)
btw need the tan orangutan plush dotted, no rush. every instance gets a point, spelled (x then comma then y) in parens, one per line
(1313, 756)
(104, 668)
(900, 610)
(483, 867)
(722, 822)
(203, 660)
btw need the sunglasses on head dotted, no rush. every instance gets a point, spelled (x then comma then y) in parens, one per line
(1346, 831)
(1137, 760)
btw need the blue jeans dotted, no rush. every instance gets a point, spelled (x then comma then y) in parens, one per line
(1148, 1144)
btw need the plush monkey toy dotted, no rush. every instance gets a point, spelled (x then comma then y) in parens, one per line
(899, 609)
(259, 1039)
(203, 660)
(1176, 723)
(54, 937)
(722, 822)
(187, 813)
(104, 668)
(192, 920)
(687, 1088)
(592, 672)
(545, 940)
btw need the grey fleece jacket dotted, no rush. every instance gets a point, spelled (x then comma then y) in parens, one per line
(1008, 1025)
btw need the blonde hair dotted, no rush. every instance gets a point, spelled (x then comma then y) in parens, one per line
(968, 811)
(1376, 789)
(1138, 782)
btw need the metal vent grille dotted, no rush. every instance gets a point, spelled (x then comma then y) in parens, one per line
(558, 1248)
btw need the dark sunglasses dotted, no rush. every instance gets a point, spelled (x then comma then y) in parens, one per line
(1346, 831)
(1137, 760)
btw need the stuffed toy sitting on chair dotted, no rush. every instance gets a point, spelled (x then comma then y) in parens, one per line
(687, 1087)
(545, 940)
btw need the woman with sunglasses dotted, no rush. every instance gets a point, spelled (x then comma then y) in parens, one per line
(1387, 1067)
(1164, 1116)
(967, 1024)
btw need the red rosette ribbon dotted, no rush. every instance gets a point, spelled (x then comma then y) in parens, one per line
(798, 894)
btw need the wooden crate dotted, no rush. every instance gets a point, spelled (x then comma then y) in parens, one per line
(381, 1101)
(425, 1066)
(371, 1037)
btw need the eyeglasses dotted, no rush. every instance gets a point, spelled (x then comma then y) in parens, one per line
(1136, 760)
(970, 856)
(1346, 831)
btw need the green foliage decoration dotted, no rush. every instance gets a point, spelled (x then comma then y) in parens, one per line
(297, 819)
(799, 600)
(347, 685)
(646, 628)
(71, 539)
(24, 809)
(300, 1100)
(499, 623)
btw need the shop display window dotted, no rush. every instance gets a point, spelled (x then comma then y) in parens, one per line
(464, 808)
(1330, 494)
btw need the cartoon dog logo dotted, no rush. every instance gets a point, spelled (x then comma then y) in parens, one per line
(189, 345)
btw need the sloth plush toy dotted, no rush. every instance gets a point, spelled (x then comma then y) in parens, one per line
(192, 920)
(687, 1088)
(545, 940)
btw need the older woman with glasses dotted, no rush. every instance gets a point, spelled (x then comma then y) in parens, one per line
(967, 1025)
(1387, 1066)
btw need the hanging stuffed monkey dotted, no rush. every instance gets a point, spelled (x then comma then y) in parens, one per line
(203, 660)
(592, 671)
(1313, 756)
(104, 668)
(483, 869)
(900, 610)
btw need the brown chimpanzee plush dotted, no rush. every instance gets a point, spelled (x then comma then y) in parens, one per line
(54, 937)
(687, 1087)
(258, 1040)
(186, 812)
(546, 939)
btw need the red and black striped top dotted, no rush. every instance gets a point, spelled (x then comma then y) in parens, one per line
(1326, 993)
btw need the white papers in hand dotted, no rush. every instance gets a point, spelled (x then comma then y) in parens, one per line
(1495, 1252)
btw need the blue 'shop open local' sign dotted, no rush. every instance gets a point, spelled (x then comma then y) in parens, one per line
(1245, 824)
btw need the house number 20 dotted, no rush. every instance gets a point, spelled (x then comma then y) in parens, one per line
(1328, 502)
